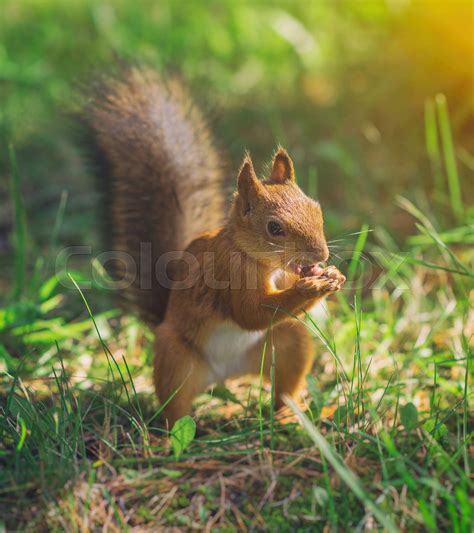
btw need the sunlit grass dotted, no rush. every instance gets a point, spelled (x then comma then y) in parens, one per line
(383, 435)
(388, 410)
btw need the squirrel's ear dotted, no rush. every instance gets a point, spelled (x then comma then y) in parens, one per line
(247, 178)
(247, 183)
(282, 167)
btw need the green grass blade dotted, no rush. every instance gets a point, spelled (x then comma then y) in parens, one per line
(466, 406)
(272, 399)
(357, 253)
(449, 157)
(432, 147)
(345, 473)
(21, 441)
(260, 394)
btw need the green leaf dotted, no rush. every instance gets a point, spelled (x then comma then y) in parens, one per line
(48, 287)
(438, 431)
(173, 474)
(409, 416)
(17, 314)
(182, 435)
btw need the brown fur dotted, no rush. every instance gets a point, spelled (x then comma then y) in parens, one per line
(244, 251)
(240, 281)
(164, 176)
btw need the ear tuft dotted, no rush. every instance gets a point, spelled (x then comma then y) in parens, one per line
(247, 185)
(282, 167)
(246, 173)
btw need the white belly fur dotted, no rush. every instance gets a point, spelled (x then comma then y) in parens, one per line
(226, 348)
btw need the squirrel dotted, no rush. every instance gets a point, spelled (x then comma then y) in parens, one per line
(219, 290)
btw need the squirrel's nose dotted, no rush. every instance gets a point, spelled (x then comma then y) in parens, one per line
(318, 252)
(321, 251)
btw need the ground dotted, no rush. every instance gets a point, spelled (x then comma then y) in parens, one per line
(373, 101)
(389, 397)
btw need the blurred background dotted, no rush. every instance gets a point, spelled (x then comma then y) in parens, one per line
(374, 100)
(346, 86)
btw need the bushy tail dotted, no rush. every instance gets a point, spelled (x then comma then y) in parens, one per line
(161, 175)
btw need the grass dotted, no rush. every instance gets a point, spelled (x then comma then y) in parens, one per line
(382, 438)
(385, 437)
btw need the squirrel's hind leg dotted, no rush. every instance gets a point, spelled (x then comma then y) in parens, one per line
(179, 374)
(294, 354)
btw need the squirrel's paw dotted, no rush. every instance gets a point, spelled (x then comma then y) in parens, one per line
(330, 280)
(332, 273)
(313, 286)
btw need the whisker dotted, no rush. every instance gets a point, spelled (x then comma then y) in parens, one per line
(337, 256)
(360, 232)
(276, 245)
(350, 235)
(291, 260)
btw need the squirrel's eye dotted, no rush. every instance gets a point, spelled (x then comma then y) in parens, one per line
(275, 229)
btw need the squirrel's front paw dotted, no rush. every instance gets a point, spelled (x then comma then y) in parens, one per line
(330, 280)
(333, 274)
(314, 286)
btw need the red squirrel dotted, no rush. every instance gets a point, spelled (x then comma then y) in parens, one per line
(216, 287)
